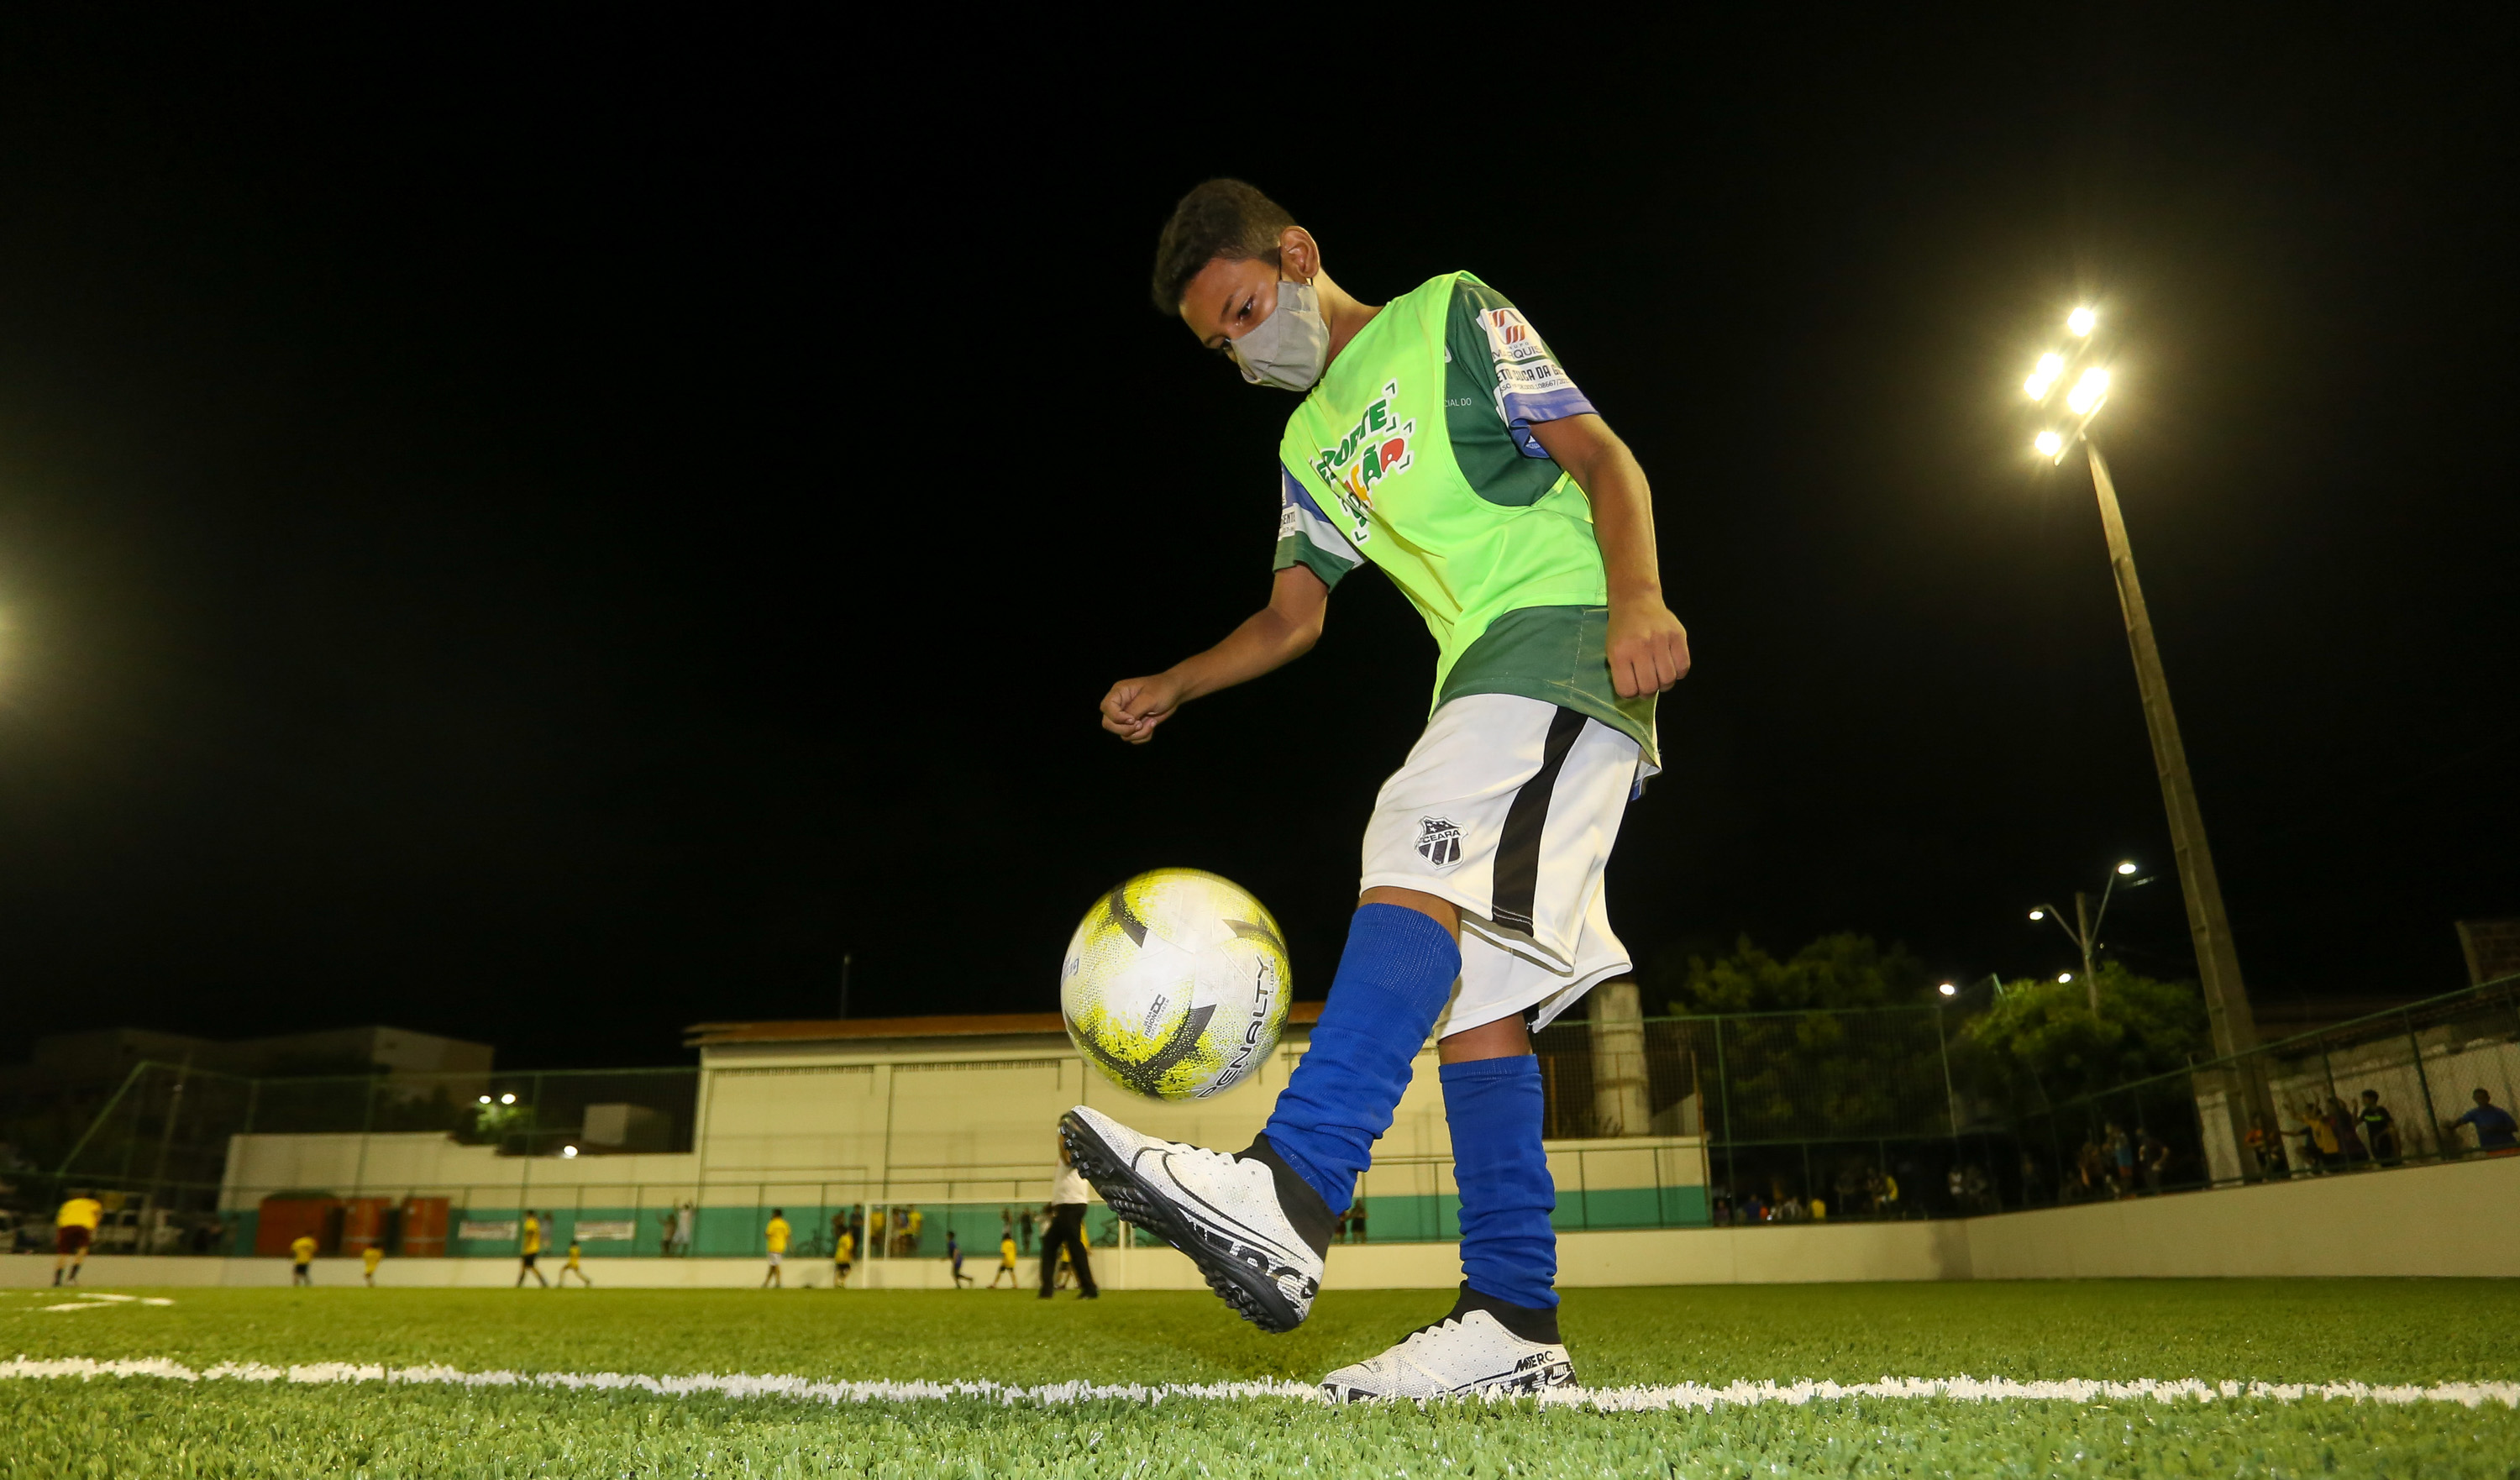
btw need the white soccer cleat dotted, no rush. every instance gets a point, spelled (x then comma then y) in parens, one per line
(1224, 1211)
(1470, 1355)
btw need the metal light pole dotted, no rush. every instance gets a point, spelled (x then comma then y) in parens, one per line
(2085, 931)
(2218, 962)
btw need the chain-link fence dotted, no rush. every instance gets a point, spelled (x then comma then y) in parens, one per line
(2426, 1083)
(1650, 1122)
(158, 1153)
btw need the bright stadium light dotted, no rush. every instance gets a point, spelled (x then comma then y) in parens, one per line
(1948, 990)
(2126, 868)
(2064, 977)
(2088, 390)
(568, 1151)
(2081, 321)
(486, 1100)
(2038, 915)
(2043, 379)
(2049, 443)
(507, 1099)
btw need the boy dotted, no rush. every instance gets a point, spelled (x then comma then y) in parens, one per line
(2496, 1130)
(529, 1249)
(1439, 439)
(369, 1258)
(301, 1249)
(75, 1230)
(845, 1248)
(774, 1238)
(954, 1252)
(1006, 1259)
(574, 1267)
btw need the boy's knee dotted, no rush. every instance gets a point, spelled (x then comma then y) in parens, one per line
(1504, 1037)
(1434, 907)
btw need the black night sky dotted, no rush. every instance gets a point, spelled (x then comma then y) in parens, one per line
(555, 532)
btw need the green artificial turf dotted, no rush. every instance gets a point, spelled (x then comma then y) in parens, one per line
(2379, 1331)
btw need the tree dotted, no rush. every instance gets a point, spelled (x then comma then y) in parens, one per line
(1841, 971)
(2039, 1045)
(1832, 1042)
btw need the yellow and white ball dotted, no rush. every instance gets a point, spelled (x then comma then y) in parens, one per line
(1176, 984)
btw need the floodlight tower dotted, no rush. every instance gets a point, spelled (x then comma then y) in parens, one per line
(2218, 962)
(2086, 928)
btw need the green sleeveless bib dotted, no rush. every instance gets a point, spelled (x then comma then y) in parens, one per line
(1368, 444)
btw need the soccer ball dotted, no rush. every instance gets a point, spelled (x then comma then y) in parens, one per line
(1175, 984)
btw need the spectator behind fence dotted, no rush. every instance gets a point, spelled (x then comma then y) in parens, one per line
(2496, 1130)
(2348, 1141)
(2151, 1159)
(2322, 1136)
(2121, 1149)
(2380, 1129)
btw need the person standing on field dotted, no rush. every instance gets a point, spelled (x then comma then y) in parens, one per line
(845, 1248)
(774, 1238)
(74, 1232)
(1065, 1237)
(572, 1267)
(529, 1247)
(369, 1258)
(1006, 1259)
(302, 1251)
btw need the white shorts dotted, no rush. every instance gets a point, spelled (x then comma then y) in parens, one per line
(1509, 807)
(777, 1259)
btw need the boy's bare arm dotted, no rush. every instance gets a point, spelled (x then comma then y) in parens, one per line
(1649, 647)
(1271, 638)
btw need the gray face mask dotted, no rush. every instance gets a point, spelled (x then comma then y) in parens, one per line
(1289, 348)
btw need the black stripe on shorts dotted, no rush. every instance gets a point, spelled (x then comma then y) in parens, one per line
(1517, 881)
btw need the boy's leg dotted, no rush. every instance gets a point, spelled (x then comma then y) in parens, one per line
(1536, 941)
(1258, 1224)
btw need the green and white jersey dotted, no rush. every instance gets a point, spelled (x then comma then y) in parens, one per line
(1414, 452)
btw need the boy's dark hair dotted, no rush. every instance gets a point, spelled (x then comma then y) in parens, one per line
(1221, 218)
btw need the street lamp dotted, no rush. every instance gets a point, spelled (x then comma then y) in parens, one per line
(2085, 931)
(2209, 925)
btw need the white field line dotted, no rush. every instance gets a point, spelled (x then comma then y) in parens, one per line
(1610, 1399)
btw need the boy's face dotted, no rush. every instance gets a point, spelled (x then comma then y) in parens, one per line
(1227, 299)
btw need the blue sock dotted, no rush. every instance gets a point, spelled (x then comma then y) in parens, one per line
(1508, 1250)
(1393, 980)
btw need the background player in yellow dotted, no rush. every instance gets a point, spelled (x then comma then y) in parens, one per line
(369, 1258)
(528, 1249)
(73, 1229)
(574, 1267)
(1006, 1263)
(303, 1250)
(774, 1238)
(845, 1248)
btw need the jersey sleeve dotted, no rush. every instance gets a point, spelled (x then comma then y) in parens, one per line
(1305, 538)
(1527, 383)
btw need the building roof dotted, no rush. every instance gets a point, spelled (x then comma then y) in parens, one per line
(703, 1035)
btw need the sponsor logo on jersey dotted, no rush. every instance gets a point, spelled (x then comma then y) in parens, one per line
(1375, 448)
(1509, 336)
(1439, 841)
(1523, 364)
